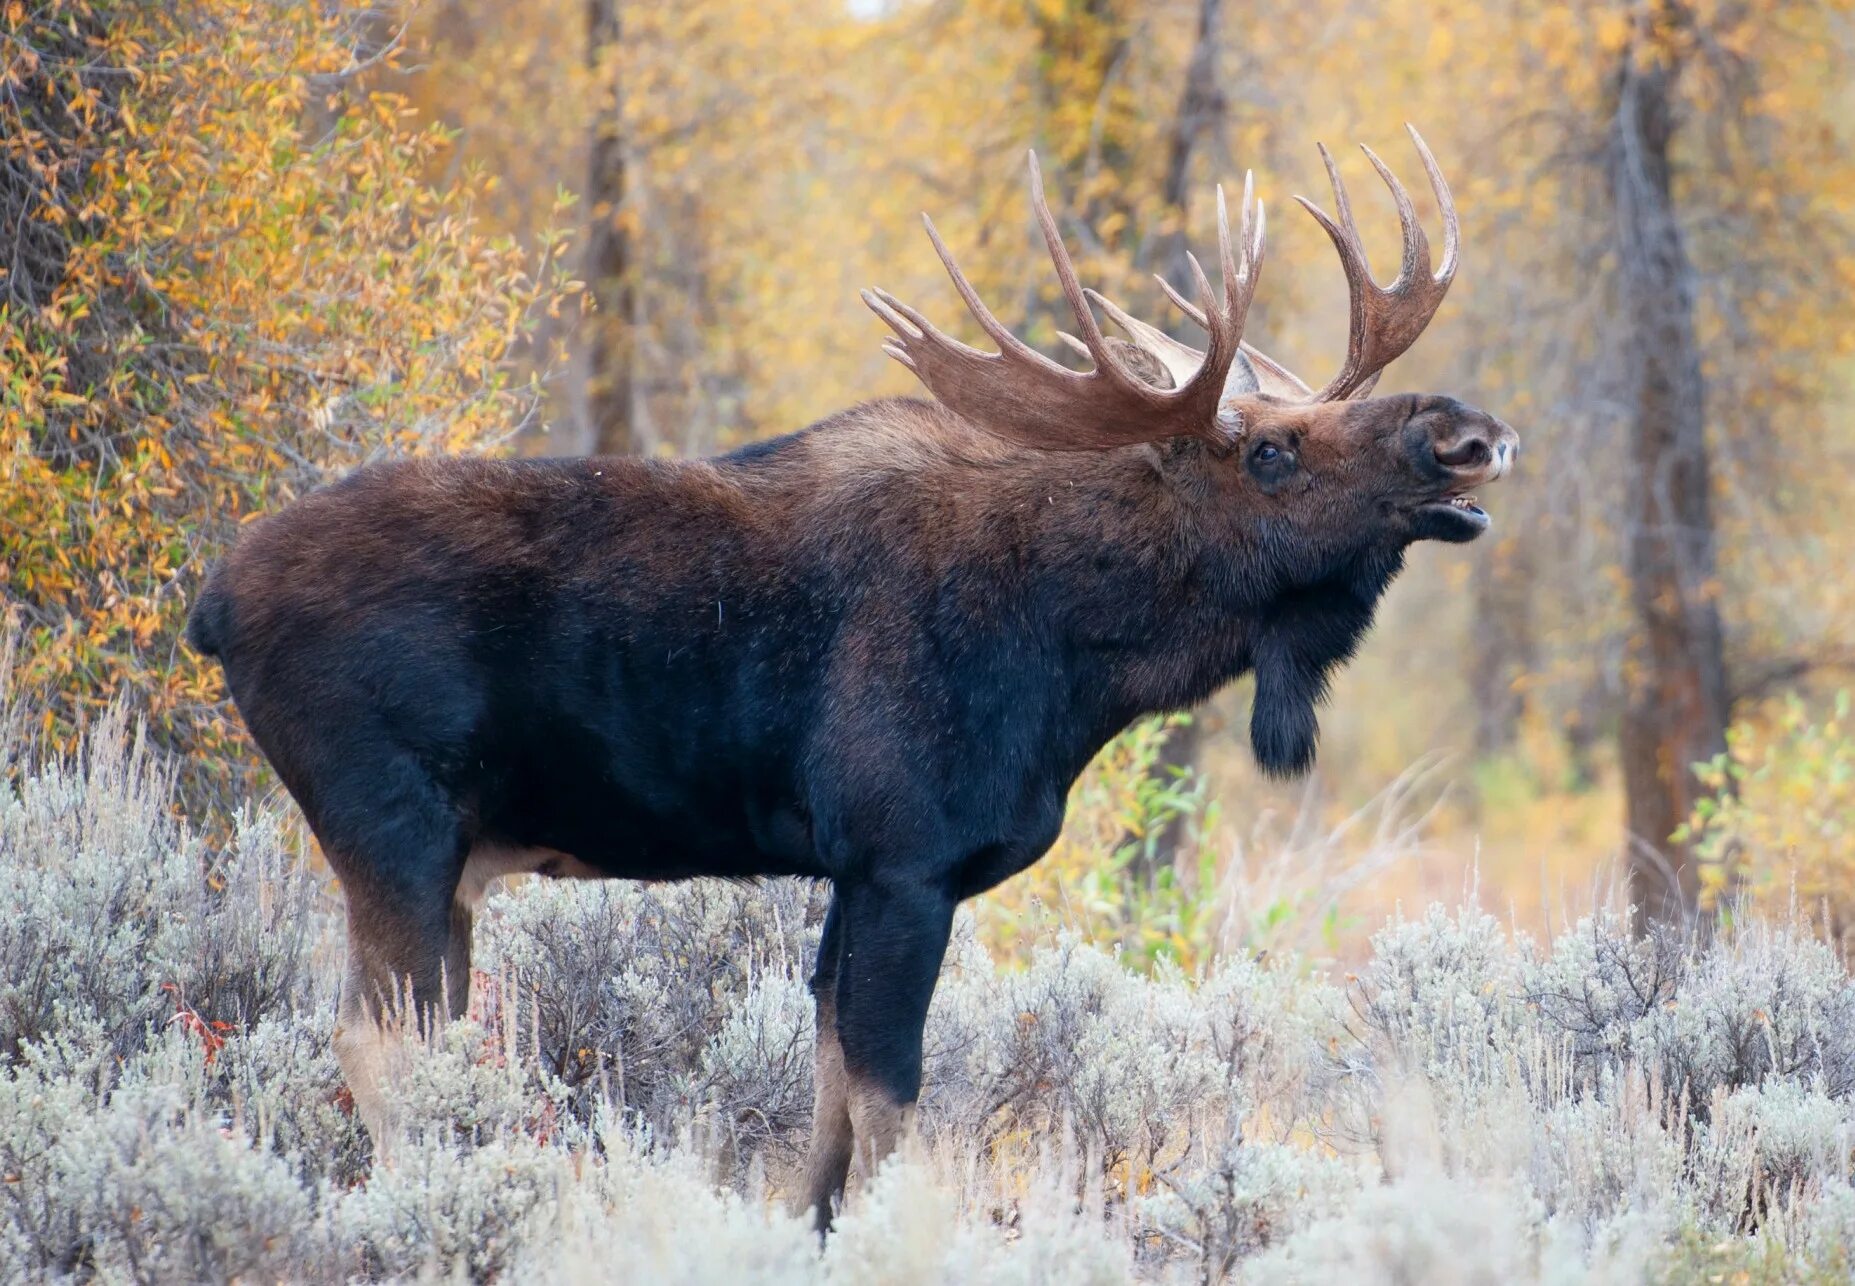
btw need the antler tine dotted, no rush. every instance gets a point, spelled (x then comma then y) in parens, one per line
(1184, 305)
(1255, 236)
(1208, 297)
(1250, 235)
(1181, 359)
(1386, 320)
(1452, 233)
(1092, 339)
(1340, 201)
(1277, 378)
(910, 324)
(1001, 335)
(1226, 257)
(1416, 260)
(1240, 274)
(1133, 326)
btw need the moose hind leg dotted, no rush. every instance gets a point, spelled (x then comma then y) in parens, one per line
(408, 942)
(369, 1046)
(408, 971)
(827, 1164)
(895, 934)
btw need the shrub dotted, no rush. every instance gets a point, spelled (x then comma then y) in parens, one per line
(233, 278)
(1769, 1004)
(142, 1181)
(471, 1212)
(1435, 1230)
(1248, 1198)
(670, 1001)
(127, 921)
(1779, 825)
(635, 1073)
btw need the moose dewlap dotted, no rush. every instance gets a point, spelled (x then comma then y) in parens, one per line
(876, 651)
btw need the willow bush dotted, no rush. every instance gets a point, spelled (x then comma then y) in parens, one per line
(231, 275)
(1780, 829)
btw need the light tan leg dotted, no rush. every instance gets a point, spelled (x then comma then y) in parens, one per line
(393, 990)
(457, 958)
(880, 1125)
(827, 1164)
(369, 1044)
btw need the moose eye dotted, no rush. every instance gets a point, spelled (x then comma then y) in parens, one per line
(1271, 465)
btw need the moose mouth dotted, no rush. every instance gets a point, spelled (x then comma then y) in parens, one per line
(1455, 519)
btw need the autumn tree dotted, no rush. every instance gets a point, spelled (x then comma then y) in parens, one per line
(605, 382)
(1677, 148)
(223, 305)
(1655, 256)
(1676, 713)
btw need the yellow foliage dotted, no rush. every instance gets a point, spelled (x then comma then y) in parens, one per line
(1784, 825)
(250, 283)
(1134, 865)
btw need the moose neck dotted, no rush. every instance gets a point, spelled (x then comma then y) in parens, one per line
(1171, 587)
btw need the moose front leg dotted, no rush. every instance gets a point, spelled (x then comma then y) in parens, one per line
(894, 936)
(828, 1162)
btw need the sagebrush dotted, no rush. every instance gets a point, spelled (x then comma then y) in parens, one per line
(631, 1092)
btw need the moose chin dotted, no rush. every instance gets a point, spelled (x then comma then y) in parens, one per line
(877, 651)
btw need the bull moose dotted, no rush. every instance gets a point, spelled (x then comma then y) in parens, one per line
(876, 651)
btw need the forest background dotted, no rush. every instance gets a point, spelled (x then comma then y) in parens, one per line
(245, 246)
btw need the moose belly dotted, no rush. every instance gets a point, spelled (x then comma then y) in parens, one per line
(649, 825)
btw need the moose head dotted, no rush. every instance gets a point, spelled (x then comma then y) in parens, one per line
(1315, 495)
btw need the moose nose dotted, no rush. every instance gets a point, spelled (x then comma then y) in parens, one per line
(1480, 445)
(1467, 453)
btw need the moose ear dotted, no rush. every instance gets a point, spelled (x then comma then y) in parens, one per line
(1284, 731)
(1241, 379)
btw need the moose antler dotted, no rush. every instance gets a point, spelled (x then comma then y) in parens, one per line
(1022, 395)
(1385, 320)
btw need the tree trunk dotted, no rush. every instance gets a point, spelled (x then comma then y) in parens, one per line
(606, 377)
(1201, 113)
(1676, 707)
(1503, 652)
